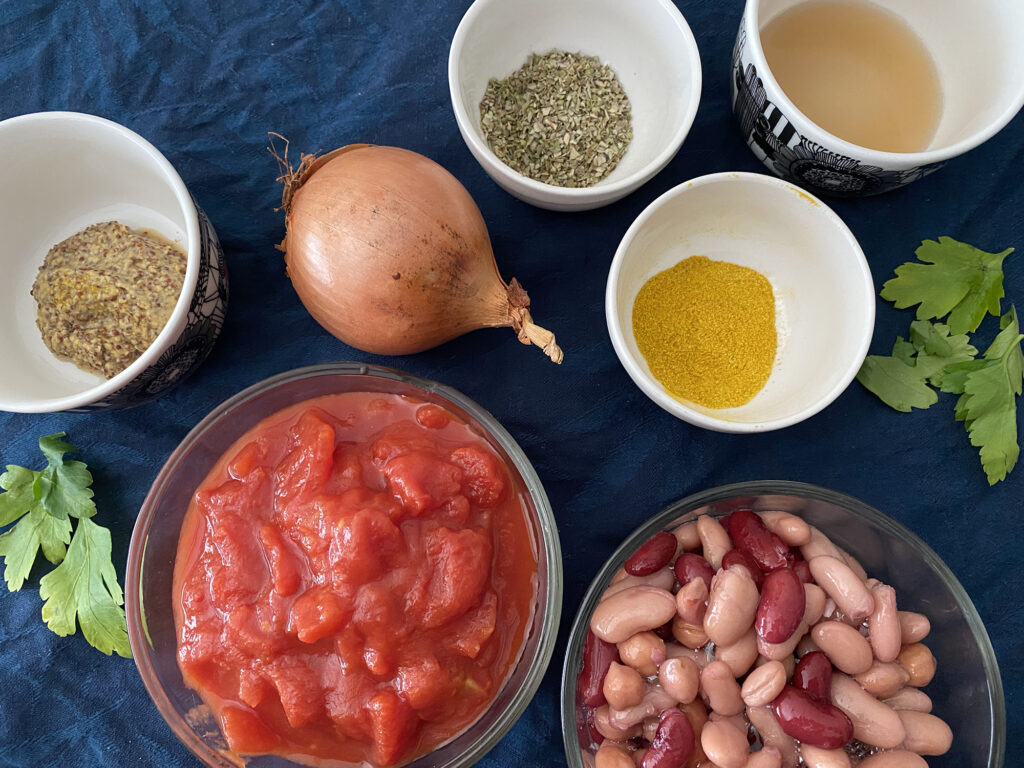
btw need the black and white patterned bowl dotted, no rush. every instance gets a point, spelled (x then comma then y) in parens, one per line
(979, 58)
(65, 171)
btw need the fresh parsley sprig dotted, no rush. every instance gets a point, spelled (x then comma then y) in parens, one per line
(962, 284)
(83, 586)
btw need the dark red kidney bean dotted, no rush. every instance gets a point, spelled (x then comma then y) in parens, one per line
(739, 557)
(664, 631)
(818, 723)
(802, 568)
(813, 675)
(597, 657)
(726, 521)
(653, 555)
(690, 566)
(781, 606)
(673, 741)
(586, 730)
(748, 533)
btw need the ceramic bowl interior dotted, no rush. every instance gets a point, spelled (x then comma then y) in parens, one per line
(979, 56)
(66, 171)
(825, 299)
(647, 43)
(155, 540)
(967, 689)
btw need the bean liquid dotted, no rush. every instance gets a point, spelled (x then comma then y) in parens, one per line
(858, 71)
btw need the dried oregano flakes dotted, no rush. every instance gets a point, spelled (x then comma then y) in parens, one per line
(562, 119)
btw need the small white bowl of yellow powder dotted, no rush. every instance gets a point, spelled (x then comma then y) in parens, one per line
(740, 303)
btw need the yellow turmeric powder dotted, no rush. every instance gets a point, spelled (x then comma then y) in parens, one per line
(707, 331)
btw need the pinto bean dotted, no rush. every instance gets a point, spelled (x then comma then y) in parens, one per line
(899, 758)
(724, 744)
(697, 714)
(630, 611)
(623, 686)
(731, 606)
(780, 651)
(845, 647)
(680, 679)
(741, 655)
(613, 755)
(790, 528)
(643, 651)
(654, 702)
(919, 663)
(884, 625)
(720, 689)
(926, 734)
(604, 725)
(764, 684)
(687, 536)
(714, 540)
(910, 698)
(699, 656)
(843, 585)
(690, 635)
(914, 627)
(874, 723)
(816, 757)
(765, 757)
(814, 604)
(772, 735)
(805, 646)
(663, 579)
(883, 679)
(692, 601)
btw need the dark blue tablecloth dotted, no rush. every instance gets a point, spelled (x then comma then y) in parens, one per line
(204, 81)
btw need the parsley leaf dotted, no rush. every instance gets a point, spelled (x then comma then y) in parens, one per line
(19, 496)
(988, 405)
(85, 585)
(956, 279)
(937, 349)
(64, 486)
(20, 544)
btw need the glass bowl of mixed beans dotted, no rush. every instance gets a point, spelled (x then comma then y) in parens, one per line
(773, 625)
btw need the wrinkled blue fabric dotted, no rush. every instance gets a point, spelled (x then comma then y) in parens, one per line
(204, 81)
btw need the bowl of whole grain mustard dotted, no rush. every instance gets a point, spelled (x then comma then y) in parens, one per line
(116, 286)
(740, 303)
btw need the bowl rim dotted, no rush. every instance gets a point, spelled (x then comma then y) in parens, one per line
(655, 391)
(578, 195)
(658, 521)
(545, 520)
(866, 154)
(176, 323)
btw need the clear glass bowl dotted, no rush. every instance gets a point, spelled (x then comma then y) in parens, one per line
(155, 541)
(967, 689)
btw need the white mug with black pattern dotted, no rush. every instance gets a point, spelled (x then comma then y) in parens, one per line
(978, 48)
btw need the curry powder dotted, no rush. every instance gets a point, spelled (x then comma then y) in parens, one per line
(707, 331)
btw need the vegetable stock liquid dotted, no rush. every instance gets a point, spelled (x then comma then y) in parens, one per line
(858, 71)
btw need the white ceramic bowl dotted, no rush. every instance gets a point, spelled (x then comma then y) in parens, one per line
(647, 42)
(825, 300)
(63, 172)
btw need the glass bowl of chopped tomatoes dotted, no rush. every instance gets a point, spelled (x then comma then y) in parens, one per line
(344, 565)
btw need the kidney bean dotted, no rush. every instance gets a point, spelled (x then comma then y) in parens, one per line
(663, 579)
(714, 540)
(692, 601)
(814, 604)
(673, 741)
(794, 531)
(732, 604)
(883, 679)
(643, 651)
(789, 663)
(665, 630)
(613, 755)
(781, 607)
(653, 555)
(816, 757)
(779, 651)
(764, 684)
(813, 674)
(654, 702)
(597, 656)
(914, 627)
(750, 534)
(740, 655)
(919, 663)
(802, 569)
(638, 757)
(845, 647)
(910, 698)
(899, 758)
(874, 723)
(697, 714)
(843, 585)
(690, 635)
(926, 734)
(630, 611)
(811, 720)
(765, 757)
(609, 729)
(623, 686)
(586, 731)
(772, 735)
(739, 557)
(724, 744)
(687, 537)
(689, 566)
(680, 679)
(720, 689)
(884, 625)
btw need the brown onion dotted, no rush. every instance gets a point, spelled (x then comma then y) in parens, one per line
(388, 252)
